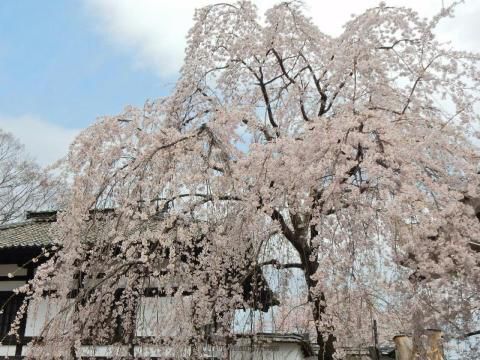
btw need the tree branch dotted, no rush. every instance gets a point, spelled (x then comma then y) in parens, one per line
(278, 265)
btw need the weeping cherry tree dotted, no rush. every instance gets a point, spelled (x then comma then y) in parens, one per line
(355, 151)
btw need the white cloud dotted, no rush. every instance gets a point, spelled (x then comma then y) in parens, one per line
(45, 142)
(155, 30)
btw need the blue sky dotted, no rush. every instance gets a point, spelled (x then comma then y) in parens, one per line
(55, 64)
(65, 62)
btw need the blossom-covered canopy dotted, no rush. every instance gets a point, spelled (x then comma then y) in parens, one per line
(350, 159)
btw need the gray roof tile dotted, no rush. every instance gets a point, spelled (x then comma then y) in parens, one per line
(31, 233)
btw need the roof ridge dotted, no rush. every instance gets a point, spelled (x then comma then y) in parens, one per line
(15, 224)
(24, 223)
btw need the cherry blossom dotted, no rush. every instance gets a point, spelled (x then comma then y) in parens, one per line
(348, 160)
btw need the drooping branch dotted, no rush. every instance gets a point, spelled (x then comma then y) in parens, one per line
(278, 265)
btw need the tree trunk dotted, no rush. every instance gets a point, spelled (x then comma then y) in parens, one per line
(301, 237)
(325, 338)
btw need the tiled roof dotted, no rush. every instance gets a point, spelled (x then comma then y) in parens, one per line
(31, 233)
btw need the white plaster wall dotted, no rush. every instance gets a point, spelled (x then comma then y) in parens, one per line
(6, 269)
(268, 351)
(10, 285)
(157, 316)
(25, 350)
(7, 350)
(41, 311)
(164, 316)
(163, 352)
(273, 351)
(104, 351)
(87, 351)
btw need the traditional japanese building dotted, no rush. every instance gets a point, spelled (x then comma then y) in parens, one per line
(23, 247)
(21, 244)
